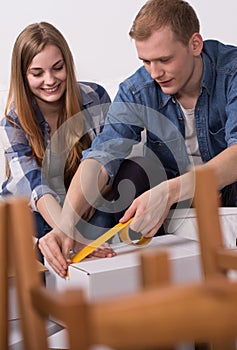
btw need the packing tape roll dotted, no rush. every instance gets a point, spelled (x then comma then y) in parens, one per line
(122, 229)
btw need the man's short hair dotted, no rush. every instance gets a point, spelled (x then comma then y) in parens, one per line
(156, 14)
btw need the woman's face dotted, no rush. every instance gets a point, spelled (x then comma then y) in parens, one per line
(47, 74)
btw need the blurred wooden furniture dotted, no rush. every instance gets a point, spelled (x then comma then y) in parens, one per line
(155, 271)
(217, 260)
(10, 240)
(3, 278)
(152, 318)
(27, 276)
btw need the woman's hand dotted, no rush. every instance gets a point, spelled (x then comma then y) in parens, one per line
(57, 246)
(104, 251)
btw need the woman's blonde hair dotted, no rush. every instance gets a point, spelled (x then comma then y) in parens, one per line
(30, 42)
(156, 14)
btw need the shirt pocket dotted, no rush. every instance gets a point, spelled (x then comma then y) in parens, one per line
(218, 140)
(171, 152)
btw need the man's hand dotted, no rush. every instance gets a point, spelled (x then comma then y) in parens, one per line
(149, 210)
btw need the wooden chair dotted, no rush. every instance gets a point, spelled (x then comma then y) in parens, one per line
(217, 260)
(27, 270)
(27, 279)
(3, 278)
(152, 318)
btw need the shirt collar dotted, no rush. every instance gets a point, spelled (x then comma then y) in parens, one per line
(86, 94)
(207, 77)
(164, 98)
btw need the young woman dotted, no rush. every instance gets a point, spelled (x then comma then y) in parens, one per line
(50, 119)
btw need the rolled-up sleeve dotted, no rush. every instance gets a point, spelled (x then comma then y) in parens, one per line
(26, 176)
(231, 110)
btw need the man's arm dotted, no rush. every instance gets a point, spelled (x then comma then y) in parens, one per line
(151, 208)
(225, 166)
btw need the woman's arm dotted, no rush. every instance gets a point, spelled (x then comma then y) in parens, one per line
(57, 244)
(25, 175)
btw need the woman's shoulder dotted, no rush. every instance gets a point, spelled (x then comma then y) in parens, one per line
(92, 91)
(11, 119)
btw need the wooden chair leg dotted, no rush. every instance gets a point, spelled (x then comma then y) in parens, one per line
(27, 274)
(202, 346)
(155, 271)
(3, 277)
(207, 203)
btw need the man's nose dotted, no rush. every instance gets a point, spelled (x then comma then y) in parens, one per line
(156, 70)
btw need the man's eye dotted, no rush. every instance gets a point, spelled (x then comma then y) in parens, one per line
(165, 60)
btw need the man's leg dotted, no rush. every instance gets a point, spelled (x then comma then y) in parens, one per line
(135, 176)
(229, 195)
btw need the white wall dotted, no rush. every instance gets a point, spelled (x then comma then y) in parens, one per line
(97, 33)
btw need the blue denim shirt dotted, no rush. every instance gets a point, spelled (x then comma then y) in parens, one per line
(27, 178)
(141, 104)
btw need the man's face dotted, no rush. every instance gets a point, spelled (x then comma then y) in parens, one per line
(170, 63)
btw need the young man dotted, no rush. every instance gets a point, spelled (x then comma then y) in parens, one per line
(185, 97)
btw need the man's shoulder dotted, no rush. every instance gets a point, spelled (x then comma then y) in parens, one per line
(219, 51)
(138, 80)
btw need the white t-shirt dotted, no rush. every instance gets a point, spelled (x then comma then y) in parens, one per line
(191, 136)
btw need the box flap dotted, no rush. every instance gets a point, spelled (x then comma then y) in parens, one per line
(190, 212)
(129, 256)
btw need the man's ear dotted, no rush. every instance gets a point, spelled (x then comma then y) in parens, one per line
(196, 44)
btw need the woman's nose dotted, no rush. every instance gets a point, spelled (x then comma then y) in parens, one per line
(49, 78)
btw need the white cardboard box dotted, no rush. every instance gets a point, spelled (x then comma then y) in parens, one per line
(106, 277)
(182, 222)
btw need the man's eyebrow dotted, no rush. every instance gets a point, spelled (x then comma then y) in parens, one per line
(142, 59)
(154, 59)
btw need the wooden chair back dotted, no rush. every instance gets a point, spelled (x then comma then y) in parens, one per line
(156, 317)
(21, 226)
(155, 271)
(3, 277)
(149, 319)
(217, 260)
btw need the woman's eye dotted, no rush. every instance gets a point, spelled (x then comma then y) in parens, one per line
(58, 68)
(36, 74)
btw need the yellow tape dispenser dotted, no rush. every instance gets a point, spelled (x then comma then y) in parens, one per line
(122, 229)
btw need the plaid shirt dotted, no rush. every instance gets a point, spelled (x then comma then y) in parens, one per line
(26, 177)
